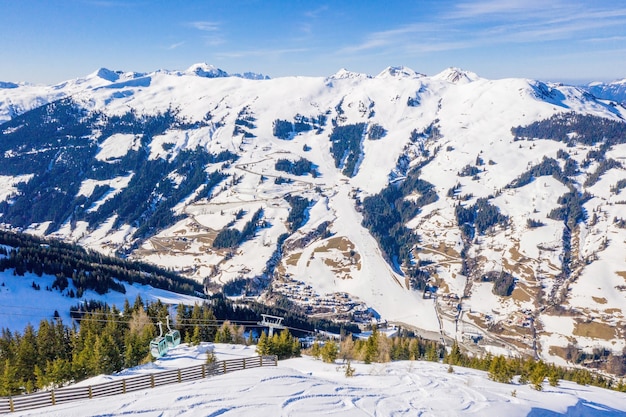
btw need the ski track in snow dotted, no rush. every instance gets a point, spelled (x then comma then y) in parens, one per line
(306, 387)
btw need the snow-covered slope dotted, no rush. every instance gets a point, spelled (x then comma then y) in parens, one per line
(126, 151)
(309, 387)
(615, 91)
(23, 304)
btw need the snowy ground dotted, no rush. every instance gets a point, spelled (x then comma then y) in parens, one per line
(308, 387)
(20, 304)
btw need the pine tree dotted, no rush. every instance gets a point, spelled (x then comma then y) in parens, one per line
(316, 350)
(208, 327)
(9, 381)
(371, 347)
(553, 376)
(538, 374)
(454, 357)
(106, 358)
(329, 351)
(83, 363)
(26, 357)
(223, 334)
(500, 371)
(196, 337)
(263, 345)
(58, 372)
(431, 353)
(46, 344)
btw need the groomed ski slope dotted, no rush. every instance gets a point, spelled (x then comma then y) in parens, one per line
(306, 387)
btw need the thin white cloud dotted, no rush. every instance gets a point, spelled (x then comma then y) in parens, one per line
(606, 39)
(498, 7)
(497, 22)
(205, 26)
(392, 37)
(315, 13)
(175, 45)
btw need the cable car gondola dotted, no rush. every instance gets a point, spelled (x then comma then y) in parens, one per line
(172, 336)
(158, 345)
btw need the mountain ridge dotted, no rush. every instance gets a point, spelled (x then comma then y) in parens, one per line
(476, 233)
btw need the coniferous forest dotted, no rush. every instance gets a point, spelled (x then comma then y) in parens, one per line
(88, 269)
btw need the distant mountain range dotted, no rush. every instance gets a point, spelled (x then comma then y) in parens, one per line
(486, 211)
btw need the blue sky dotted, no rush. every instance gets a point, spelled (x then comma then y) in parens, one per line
(558, 40)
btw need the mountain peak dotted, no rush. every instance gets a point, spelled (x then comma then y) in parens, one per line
(206, 70)
(456, 76)
(401, 72)
(4, 84)
(105, 74)
(252, 76)
(345, 74)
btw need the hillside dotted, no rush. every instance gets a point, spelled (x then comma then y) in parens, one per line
(306, 387)
(471, 209)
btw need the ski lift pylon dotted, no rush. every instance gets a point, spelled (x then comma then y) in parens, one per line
(273, 322)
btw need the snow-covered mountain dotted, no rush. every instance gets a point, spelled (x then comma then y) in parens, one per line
(467, 208)
(615, 90)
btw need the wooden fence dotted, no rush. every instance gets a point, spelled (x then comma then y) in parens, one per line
(136, 383)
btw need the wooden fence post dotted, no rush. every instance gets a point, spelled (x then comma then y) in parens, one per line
(207, 371)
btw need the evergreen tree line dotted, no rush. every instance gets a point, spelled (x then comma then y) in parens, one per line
(376, 132)
(386, 213)
(478, 217)
(603, 167)
(571, 209)
(285, 130)
(88, 269)
(55, 354)
(103, 339)
(298, 215)
(60, 132)
(251, 311)
(379, 348)
(244, 123)
(300, 167)
(346, 146)
(530, 371)
(620, 185)
(589, 129)
(230, 237)
(282, 344)
(547, 167)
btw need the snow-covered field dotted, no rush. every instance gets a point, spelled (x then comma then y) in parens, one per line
(307, 387)
(20, 304)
